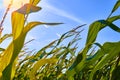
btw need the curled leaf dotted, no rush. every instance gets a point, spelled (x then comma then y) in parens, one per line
(28, 8)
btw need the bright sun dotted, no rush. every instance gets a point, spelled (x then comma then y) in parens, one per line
(16, 3)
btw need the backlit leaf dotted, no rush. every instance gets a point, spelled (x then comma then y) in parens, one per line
(5, 60)
(28, 8)
(5, 37)
(17, 24)
(40, 63)
(31, 25)
(34, 2)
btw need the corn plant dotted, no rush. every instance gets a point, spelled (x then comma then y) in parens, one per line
(59, 61)
(50, 62)
(20, 29)
(102, 64)
(54, 64)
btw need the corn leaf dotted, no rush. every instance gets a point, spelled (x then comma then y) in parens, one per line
(116, 6)
(5, 37)
(111, 25)
(112, 50)
(97, 26)
(5, 60)
(28, 8)
(12, 50)
(94, 28)
(113, 18)
(31, 25)
(40, 63)
(17, 48)
(34, 2)
(115, 73)
(78, 64)
(17, 24)
(100, 53)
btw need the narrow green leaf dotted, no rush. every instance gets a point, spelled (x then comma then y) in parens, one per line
(111, 25)
(94, 28)
(5, 37)
(31, 25)
(40, 63)
(97, 26)
(100, 53)
(113, 18)
(116, 6)
(17, 48)
(52, 24)
(112, 50)
(78, 64)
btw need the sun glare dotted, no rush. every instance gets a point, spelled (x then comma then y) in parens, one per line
(16, 3)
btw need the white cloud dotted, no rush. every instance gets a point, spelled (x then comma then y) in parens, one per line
(46, 26)
(60, 12)
(30, 37)
(58, 35)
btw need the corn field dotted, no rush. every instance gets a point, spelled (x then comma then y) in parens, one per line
(58, 61)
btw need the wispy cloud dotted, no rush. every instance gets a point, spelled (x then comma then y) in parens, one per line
(60, 12)
(58, 35)
(46, 26)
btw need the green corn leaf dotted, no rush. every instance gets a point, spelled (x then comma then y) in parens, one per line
(76, 66)
(97, 26)
(14, 49)
(28, 8)
(34, 2)
(5, 37)
(52, 24)
(111, 25)
(79, 63)
(40, 63)
(112, 50)
(41, 53)
(31, 25)
(93, 31)
(14, 53)
(116, 6)
(115, 73)
(113, 18)
(92, 34)
(17, 48)
(100, 53)
(21, 38)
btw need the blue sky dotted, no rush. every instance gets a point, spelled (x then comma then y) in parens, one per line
(71, 12)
